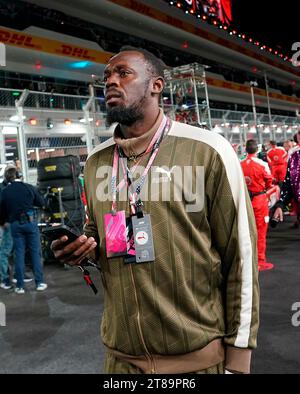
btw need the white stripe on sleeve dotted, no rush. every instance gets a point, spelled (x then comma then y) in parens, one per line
(236, 181)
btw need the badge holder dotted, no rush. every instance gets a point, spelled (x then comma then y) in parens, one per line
(143, 237)
(132, 237)
(115, 234)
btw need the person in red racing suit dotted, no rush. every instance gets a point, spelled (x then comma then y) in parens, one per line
(277, 159)
(258, 179)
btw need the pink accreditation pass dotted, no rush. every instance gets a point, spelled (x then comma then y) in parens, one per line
(115, 234)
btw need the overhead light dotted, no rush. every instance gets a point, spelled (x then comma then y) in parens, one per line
(16, 118)
(67, 122)
(50, 150)
(279, 130)
(252, 130)
(80, 65)
(236, 130)
(82, 120)
(98, 122)
(267, 130)
(33, 121)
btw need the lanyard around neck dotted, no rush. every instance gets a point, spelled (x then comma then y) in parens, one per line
(128, 180)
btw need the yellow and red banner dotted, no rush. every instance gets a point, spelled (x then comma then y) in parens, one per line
(219, 83)
(29, 41)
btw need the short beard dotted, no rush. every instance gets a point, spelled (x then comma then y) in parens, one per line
(124, 116)
(127, 116)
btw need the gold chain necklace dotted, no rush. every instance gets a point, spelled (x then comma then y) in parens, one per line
(133, 156)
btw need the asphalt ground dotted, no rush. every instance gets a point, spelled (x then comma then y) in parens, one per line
(57, 331)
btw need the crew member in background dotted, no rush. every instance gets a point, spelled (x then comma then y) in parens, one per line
(263, 153)
(18, 200)
(296, 139)
(6, 245)
(258, 179)
(17, 163)
(288, 146)
(277, 159)
(291, 187)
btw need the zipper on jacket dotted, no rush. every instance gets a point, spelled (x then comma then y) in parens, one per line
(148, 354)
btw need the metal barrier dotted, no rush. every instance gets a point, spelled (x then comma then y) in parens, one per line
(42, 124)
(36, 125)
(8, 97)
(39, 100)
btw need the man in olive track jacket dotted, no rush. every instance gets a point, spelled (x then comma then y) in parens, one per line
(194, 307)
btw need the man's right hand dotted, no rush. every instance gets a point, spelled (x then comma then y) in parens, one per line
(73, 252)
(278, 214)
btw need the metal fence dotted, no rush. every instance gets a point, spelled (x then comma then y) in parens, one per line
(36, 125)
(39, 100)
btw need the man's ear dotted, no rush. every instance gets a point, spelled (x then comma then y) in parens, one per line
(158, 85)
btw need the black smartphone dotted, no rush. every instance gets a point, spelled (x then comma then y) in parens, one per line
(56, 232)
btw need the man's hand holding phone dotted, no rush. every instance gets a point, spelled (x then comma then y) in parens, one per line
(72, 253)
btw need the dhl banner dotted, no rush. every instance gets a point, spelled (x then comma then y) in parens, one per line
(219, 83)
(23, 40)
(28, 41)
(185, 26)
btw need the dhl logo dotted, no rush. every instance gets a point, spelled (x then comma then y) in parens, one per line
(19, 39)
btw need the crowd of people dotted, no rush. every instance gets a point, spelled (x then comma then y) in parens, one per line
(276, 166)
